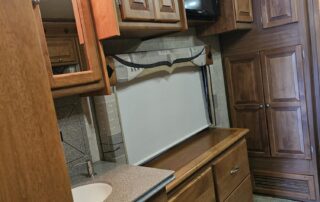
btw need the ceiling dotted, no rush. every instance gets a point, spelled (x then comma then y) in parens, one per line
(56, 9)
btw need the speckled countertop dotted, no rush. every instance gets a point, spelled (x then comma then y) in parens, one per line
(129, 183)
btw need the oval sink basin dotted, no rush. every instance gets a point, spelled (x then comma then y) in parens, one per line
(97, 192)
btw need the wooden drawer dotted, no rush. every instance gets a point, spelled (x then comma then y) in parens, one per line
(242, 193)
(231, 169)
(62, 50)
(199, 189)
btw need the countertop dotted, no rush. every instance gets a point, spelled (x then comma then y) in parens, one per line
(129, 183)
(189, 156)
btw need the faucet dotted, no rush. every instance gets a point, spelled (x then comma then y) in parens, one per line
(90, 168)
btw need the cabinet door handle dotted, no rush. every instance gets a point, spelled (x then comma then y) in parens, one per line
(235, 170)
(60, 60)
(261, 106)
(268, 105)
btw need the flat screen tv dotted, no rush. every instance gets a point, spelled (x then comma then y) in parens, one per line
(202, 9)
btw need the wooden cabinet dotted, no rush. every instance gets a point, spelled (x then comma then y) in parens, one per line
(279, 12)
(62, 50)
(75, 44)
(211, 166)
(273, 91)
(230, 170)
(267, 95)
(280, 43)
(147, 18)
(167, 11)
(33, 166)
(199, 188)
(243, 9)
(246, 97)
(235, 15)
(285, 102)
(137, 10)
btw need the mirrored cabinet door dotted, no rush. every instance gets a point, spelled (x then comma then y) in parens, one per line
(69, 43)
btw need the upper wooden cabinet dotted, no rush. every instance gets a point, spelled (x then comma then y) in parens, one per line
(73, 54)
(137, 10)
(167, 11)
(243, 10)
(278, 12)
(235, 14)
(146, 18)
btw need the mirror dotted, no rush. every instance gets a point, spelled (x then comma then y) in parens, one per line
(66, 53)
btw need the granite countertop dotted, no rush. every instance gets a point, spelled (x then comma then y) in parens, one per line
(129, 183)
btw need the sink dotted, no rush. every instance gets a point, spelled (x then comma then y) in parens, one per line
(97, 192)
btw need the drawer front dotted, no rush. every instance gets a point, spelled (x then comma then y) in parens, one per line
(199, 189)
(242, 193)
(62, 51)
(231, 169)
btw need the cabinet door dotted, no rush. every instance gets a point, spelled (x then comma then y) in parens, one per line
(84, 32)
(33, 166)
(243, 9)
(137, 10)
(246, 98)
(199, 189)
(286, 106)
(278, 12)
(62, 50)
(167, 10)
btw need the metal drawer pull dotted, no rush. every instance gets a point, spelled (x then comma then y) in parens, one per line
(235, 170)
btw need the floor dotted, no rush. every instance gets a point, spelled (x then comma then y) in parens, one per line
(258, 198)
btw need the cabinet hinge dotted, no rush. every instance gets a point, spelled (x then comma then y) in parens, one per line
(303, 55)
(118, 2)
(312, 150)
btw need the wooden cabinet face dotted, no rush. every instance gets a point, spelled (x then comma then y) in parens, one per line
(62, 50)
(246, 98)
(167, 10)
(285, 98)
(242, 193)
(84, 37)
(200, 189)
(278, 12)
(230, 170)
(137, 10)
(255, 120)
(243, 9)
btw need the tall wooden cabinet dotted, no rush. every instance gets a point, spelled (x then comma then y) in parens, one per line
(247, 97)
(268, 74)
(32, 167)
